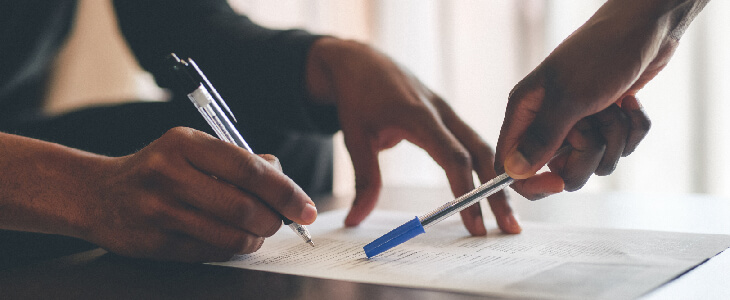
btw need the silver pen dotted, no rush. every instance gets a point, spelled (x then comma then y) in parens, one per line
(208, 102)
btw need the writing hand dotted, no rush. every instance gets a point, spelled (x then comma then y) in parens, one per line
(191, 197)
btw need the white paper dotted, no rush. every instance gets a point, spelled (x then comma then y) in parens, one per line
(544, 261)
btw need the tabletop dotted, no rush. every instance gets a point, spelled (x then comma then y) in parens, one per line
(98, 274)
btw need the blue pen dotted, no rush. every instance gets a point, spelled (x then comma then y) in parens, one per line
(418, 225)
(206, 99)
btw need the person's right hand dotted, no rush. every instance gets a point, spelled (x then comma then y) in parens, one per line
(583, 94)
(190, 197)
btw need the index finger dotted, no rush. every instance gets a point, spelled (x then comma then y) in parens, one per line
(483, 164)
(433, 136)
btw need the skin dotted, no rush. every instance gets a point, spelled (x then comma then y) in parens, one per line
(174, 201)
(170, 201)
(584, 94)
(380, 104)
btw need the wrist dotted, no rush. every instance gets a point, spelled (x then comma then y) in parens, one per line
(329, 62)
(44, 186)
(671, 18)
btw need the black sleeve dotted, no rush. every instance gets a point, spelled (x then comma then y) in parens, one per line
(260, 72)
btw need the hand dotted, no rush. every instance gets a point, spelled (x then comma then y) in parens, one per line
(583, 94)
(190, 197)
(379, 104)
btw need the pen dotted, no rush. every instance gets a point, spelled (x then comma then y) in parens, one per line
(418, 225)
(208, 102)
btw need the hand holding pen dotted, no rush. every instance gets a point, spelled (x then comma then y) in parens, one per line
(208, 102)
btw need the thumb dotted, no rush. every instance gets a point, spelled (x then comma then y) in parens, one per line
(536, 123)
(537, 145)
(367, 178)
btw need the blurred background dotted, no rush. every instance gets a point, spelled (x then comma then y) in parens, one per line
(472, 52)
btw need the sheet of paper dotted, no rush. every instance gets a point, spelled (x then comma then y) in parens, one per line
(544, 261)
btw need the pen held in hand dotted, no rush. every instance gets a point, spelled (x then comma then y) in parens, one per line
(418, 225)
(208, 102)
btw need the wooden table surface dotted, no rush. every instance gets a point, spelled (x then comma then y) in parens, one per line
(100, 275)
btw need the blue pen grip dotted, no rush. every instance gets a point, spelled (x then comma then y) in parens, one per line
(394, 238)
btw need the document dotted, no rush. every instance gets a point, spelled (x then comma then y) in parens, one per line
(545, 261)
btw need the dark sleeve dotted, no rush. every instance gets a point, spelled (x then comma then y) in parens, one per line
(260, 72)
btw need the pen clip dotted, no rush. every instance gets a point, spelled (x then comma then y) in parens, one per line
(204, 80)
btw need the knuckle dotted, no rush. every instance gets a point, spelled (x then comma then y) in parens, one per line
(157, 165)
(461, 159)
(251, 167)
(423, 114)
(286, 193)
(179, 132)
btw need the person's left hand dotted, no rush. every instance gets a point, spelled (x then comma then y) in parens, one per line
(380, 104)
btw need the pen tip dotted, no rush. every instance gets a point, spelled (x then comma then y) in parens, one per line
(310, 242)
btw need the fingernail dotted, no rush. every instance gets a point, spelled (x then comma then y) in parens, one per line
(517, 166)
(510, 224)
(309, 213)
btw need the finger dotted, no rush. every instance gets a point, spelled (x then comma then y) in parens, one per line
(640, 123)
(447, 150)
(367, 176)
(170, 246)
(539, 186)
(229, 204)
(536, 123)
(210, 231)
(483, 164)
(248, 172)
(614, 126)
(583, 159)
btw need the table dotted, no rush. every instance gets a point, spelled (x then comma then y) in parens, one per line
(97, 274)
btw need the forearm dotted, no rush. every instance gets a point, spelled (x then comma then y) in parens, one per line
(43, 185)
(259, 71)
(670, 17)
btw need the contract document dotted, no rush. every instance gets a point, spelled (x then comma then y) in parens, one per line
(545, 261)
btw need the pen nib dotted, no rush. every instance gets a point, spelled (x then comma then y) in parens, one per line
(310, 242)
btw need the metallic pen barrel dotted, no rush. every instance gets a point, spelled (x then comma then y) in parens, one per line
(302, 232)
(466, 200)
